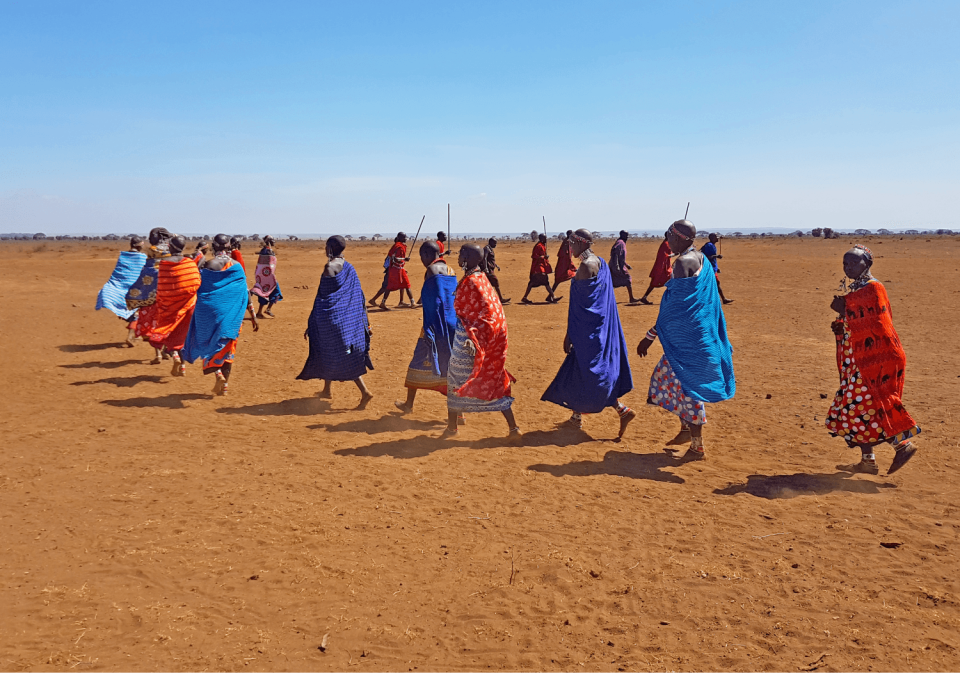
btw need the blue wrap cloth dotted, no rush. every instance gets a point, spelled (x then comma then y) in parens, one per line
(143, 292)
(432, 353)
(693, 332)
(113, 296)
(221, 302)
(596, 372)
(338, 330)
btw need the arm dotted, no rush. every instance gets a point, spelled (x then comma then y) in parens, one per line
(647, 341)
(253, 316)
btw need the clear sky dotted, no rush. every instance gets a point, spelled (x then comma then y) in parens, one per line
(361, 117)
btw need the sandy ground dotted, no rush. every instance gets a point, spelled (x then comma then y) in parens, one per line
(146, 525)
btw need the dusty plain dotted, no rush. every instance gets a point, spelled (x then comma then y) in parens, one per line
(146, 525)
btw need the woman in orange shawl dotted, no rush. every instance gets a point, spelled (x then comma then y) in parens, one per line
(177, 284)
(867, 410)
(477, 380)
(565, 267)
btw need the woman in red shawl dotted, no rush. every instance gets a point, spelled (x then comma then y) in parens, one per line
(476, 378)
(540, 271)
(565, 267)
(867, 410)
(397, 278)
(235, 252)
(660, 273)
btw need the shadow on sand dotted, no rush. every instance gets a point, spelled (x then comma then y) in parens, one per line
(779, 486)
(173, 401)
(124, 381)
(102, 365)
(619, 464)
(302, 406)
(87, 348)
(388, 423)
(424, 445)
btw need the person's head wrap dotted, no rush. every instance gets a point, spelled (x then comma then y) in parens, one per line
(863, 250)
(581, 236)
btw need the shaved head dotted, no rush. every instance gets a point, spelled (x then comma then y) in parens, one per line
(580, 240)
(429, 252)
(470, 256)
(681, 235)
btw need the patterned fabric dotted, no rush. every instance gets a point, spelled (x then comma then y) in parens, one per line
(266, 274)
(693, 332)
(143, 292)
(221, 357)
(540, 262)
(565, 267)
(218, 315)
(868, 408)
(177, 285)
(459, 372)
(397, 277)
(114, 293)
(273, 298)
(481, 315)
(428, 368)
(661, 271)
(618, 264)
(338, 330)
(667, 392)
(596, 372)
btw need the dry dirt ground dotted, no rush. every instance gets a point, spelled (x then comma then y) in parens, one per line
(146, 525)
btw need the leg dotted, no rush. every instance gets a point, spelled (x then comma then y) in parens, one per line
(722, 298)
(407, 407)
(131, 333)
(512, 424)
(683, 437)
(524, 300)
(157, 356)
(451, 429)
(626, 415)
(325, 394)
(867, 464)
(643, 299)
(383, 302)
(905, 450)
(178, 369)
(365, 395)
(630, 293)
(269, 310)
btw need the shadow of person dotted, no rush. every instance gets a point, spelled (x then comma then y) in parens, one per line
(558, 437)
(389, 423)
(619, 464)
(86, 348)
(172, 401)
(102, 365)
(424, 445)
(780, 486)
(301, 406)
(124, 381)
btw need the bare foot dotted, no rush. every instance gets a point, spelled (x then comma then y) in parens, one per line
(178, 369)
(515, 437)
(155, 361)
(372, 302)
(572, 423)
(461, 420)
(863, 467)
(625, 421)
(691, 455)
(504, 302)
(525, 301)
(270, 313)
(644, 300)
(683, 437)
(219, 384)
(384, 307)
(364, 401)
(404, 409)
(905, 451)
(324, 395)
(449, 434)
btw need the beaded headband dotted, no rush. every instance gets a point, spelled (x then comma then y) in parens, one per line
(673, 229)
(864, 250)
(580, 239)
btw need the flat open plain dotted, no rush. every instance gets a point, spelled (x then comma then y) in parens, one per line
(146, 525)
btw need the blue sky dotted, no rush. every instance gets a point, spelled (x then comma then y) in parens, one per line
(362, 117)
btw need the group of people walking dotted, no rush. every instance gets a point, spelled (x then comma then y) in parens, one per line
(192, 307)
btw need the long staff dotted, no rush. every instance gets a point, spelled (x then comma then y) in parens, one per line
(688, 211)
(544, 226)
(449, 242)
(412, 247)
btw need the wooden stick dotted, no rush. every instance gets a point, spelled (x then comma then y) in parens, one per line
(449, 242)
(417, 236)
(688, 211)
(544, 226)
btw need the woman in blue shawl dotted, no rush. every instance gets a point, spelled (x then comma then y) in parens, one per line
(697, 362)
(113, 295)
(596, 372)
(431, 356)
(338, 329)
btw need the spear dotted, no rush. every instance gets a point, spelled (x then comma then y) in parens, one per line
(413, 247)
(544, 226)
(688, 211)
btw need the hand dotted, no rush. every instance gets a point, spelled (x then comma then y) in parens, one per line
(406, 259)
(643, 347)
(719, 256)
(839, 304)
(837, 327)
(567, 346)
(471, 347)
(256, 325)
(305, 334)
(629, 268)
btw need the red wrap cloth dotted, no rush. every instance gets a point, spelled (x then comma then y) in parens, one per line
(540, 262)
(480, 312)
(235, 254)
(565, 268)
(177, 285)
(661, 271)
(878, 354)
(397, 278)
